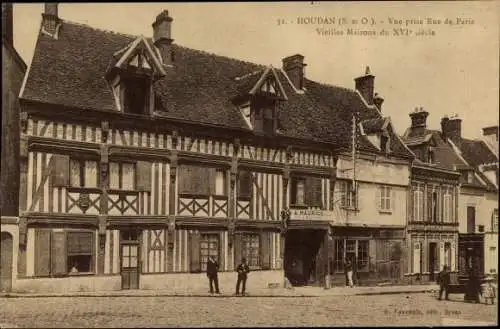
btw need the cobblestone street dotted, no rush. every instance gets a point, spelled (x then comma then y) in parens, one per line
(415, 309)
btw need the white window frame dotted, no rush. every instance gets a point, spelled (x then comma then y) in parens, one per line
(385, 195)
(246, 112)
(347, 195)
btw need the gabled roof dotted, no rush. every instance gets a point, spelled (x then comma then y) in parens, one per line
(476, 152)
(197, 87)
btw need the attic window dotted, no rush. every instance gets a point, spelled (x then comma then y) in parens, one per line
(431, 156)
(469, 177)
(136, 95)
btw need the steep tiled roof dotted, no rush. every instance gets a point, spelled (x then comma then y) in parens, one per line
(476, 152)
(372, 126)
(199, 87)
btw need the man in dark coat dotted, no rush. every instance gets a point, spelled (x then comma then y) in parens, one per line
(348, 272)
(243, 271)
(444, 282)
(212, 269)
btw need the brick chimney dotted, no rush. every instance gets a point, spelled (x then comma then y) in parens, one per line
(162, 36)
(50, 19)
(378, 100)
(419, 120)
(7, 22)
(294, 69)
(365, 86)
(491, 133)
(451, 128)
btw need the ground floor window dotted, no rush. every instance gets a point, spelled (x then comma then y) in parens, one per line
(355, 250)
(447, 254)
(64, 252)
(209, 246)
(251, 249)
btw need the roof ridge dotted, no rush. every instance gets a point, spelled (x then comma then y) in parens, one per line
(100, 29)
(331, 85)
(205, 52)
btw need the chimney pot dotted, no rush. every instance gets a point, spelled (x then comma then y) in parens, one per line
(294, 68)
(452, 128)
(365, 86)
(162, 36)
(419, 120)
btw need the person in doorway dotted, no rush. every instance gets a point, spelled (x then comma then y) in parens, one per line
(213, 279)
(473, 287)
(444, 282)
(243, 271)
(348, 272)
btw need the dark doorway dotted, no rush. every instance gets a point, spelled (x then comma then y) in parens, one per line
(6, 262)
(432, 259)
(301, 256)
(129, 251)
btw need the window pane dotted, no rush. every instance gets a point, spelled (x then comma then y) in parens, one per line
(74, 178)
(125, 261)
(133, 261)
(80, 264)
(220, 182)
(126, 251)
(128, 176)
(300, 192)
(91, 173)
(80, 243)
(339, 255)
(114, 175)
(351, 246)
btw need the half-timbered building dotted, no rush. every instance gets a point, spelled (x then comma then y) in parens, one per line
(140, 158)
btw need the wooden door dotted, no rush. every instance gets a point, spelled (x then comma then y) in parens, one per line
(6, 262)
(130, 265)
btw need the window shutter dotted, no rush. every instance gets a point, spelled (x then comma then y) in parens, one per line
(60, 173)
(265, 252)
(143, 176)
(441, 255)
(42, 252)
(212, 177)
(417, 246)
(195, 253)
(392, 199)
(244, 184)
(452, 260)
(379, 197)
(59, 253)
(237, 249)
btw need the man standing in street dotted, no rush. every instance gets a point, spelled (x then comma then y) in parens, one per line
(444, 282)
(348, 272)
(212, 269)
(243, 271)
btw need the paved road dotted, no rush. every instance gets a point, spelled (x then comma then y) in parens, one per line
(415, 309)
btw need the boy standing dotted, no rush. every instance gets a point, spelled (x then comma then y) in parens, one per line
(243, 271)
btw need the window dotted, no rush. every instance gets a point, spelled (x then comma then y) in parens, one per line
(384, 143)
(480, 228)
(136, 95)
(434, 206)
(362, 255)
(209, 246)
(494, 220)
(80, 252)
(471, 219)
(447, 206)
(385, 198)
(355, 250)
(307, 191)
(61, 253)
(418, 203)
(244, 184)
(251, 249)
(298, 194)
(447, 254)
(121, 176)
(470, 177)
(347, 195)
(268, 121)
(200, 180)
(83, 173)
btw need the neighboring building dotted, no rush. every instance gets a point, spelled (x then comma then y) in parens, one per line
(478, 202)
(433, 224)
(143, 157)
(13, 69)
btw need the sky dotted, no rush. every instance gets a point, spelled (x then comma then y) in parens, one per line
(453, 72)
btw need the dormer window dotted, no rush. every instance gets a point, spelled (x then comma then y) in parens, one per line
(384, 143)
(136, 95)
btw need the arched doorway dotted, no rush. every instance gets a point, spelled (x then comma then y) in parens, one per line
(6, 262)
